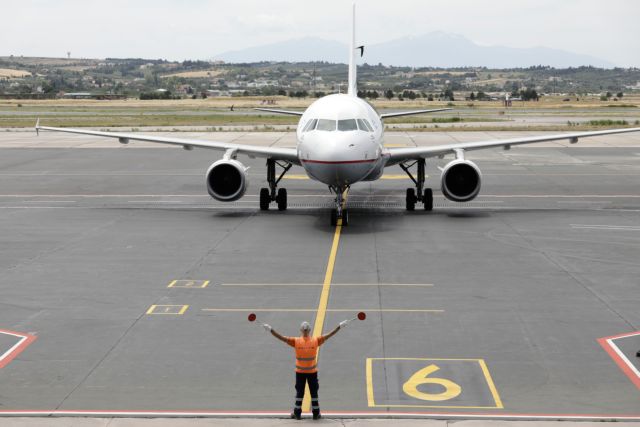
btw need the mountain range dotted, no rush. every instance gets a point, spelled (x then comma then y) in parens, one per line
(436, 49)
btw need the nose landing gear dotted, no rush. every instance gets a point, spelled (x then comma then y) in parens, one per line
(273, 194)
(340, 215)
(418, 194)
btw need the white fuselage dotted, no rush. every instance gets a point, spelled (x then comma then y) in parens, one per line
(345, 143)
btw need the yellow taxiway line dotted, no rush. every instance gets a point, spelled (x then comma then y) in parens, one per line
(318, 325)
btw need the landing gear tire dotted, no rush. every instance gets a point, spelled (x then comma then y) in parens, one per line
(345, 217)
(281, 199)
(427, 199)
(411, 199)
(265, 199)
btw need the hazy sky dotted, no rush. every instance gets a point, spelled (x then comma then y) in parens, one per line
(199, 29)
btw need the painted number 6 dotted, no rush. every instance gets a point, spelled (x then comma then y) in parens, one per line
(451, 389)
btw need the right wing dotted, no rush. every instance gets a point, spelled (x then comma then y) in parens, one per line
(275, 110)
(287, 154)
(410, 113)
(399, 155)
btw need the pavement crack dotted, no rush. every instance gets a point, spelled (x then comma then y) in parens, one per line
(549, 256)
(198, 263)
(83, 235)
(378, 277)
(118, 341)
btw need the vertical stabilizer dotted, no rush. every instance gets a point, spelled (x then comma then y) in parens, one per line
(353, 85)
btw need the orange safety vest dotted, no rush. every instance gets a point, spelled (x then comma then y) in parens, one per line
(306, 353)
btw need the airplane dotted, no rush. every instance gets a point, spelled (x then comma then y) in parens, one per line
(340, 142)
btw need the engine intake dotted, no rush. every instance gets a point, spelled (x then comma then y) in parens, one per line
(227, 180)
(460, 181)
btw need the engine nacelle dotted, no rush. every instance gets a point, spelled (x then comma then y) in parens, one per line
(227, 180)
(460, 181)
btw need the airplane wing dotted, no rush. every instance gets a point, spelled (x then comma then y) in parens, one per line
(410, 113)
(275, 110)
(398, 155)
(286, 154)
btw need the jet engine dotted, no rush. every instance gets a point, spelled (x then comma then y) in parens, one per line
(227, 180)
(460, 181)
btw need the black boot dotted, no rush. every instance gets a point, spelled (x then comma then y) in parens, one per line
(296, 414)
(316, 415)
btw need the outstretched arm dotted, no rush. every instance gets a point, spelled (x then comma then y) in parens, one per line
(280, 337)
(330, 334)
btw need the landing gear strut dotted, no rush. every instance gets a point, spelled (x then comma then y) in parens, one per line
(418, 194)
(273, 194)
(340, 212)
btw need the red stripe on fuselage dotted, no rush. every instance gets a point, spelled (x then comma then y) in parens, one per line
(343, 162)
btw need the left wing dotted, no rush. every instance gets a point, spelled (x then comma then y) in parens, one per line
(286, 154)
(398, 155)
(410, 113)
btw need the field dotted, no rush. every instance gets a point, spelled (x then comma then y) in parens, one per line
(10, 73)
(550, 113)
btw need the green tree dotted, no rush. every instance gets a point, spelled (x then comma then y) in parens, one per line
(448, 94)
(472, 96)
(388, 94)
(620, 95)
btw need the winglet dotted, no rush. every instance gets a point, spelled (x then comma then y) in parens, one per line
(38, 126)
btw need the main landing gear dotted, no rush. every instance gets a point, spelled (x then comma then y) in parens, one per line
(273, 193)
(340, 213)
(418, 194)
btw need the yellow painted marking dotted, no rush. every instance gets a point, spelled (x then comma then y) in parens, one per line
(370, 393)
(392, 145)
(189, 284)
(394, 176)
(410, 387)
(318, 325)
(293, 176)
(369, 374)
(167, 309)
(329, 310)
(492, 386)
(333, 284)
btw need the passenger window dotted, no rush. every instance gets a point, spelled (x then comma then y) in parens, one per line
(364, 125)
(311, 125)
(326, 125)
(347, 125)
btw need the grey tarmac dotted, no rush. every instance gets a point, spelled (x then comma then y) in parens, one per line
(494, 307)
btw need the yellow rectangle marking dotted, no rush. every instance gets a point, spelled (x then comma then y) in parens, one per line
(369, 374)
(167, 309)
(492, 386)
(485, 370)
(187, 283)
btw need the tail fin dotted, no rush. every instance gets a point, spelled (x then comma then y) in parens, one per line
(353, 85)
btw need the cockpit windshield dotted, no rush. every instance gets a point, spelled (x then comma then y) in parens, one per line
(345, 125)
(326, 125)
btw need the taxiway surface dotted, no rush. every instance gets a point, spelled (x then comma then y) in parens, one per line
(137, 285)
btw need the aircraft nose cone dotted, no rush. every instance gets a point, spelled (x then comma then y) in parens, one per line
(338, 158)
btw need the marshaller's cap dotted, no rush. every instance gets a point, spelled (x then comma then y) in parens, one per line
(305, 326)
